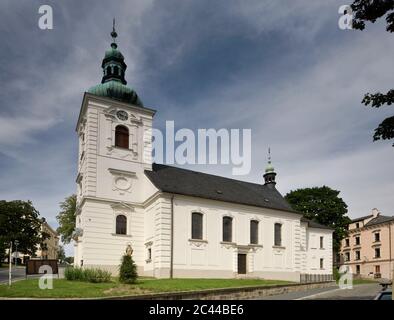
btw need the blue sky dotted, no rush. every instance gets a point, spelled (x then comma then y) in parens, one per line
(281, 68)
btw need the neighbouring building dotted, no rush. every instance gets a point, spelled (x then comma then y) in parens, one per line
(47, 250)
(180, 223)
(369, 246)
(50, 248)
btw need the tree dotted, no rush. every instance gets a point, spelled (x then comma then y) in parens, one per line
(367, 10)
(363, 11)
(61, 254)
(128, 270)
(322, 204)
(66, 218)
(19, 220)
(2, 251)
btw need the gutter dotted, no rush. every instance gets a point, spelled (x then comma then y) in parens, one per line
(391, 261)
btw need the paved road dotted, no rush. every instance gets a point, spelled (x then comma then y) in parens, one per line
(359, 292)
(19, 273)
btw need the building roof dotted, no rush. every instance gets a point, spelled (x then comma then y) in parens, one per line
(314, 224)
(362, 218)
(379, 219)
(197, 184)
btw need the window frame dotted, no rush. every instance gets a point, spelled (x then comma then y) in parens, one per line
(280, 225)
(254, 233)
(125, 225)
(119, 136)
(201, 215)
(321, 242)
(231, 220)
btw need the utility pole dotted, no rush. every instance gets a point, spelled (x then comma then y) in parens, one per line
(16, 253)
(10, 264)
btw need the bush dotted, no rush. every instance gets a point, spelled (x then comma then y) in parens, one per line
(336, 274)
(88, 275)
(128, 270)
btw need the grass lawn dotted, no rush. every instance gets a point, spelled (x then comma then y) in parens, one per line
(75, 289)
(364, 281)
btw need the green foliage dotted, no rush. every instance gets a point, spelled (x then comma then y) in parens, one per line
(336, 274)
(2, 252)
(19, 220)
(87, 275)
(128, 270)
(367, 10)
(69, 259)
(323, 205)
(61, 255)
(66, 218)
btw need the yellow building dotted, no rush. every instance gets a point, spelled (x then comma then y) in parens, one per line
(50, 247)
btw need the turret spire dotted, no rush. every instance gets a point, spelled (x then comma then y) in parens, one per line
(269, 176)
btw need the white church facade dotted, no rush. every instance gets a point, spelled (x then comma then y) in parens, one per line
(180, 223)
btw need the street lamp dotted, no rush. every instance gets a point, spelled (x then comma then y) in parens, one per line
(16, 252)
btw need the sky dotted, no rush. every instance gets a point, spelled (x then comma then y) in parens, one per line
(283, 69)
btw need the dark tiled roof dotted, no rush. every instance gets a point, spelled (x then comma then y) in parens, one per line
(197, 184)
(361, 218)
(314, 224)
(379, 219)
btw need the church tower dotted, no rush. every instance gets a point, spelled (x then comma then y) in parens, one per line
(115, 146)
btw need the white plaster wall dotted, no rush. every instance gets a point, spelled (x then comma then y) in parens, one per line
(315, 253)
(215, 255)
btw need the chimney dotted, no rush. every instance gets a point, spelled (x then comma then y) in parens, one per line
(375, 212)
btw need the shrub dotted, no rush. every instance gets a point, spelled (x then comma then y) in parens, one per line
(336, 274)
(74, 274)
(88, 275)
(128, 270)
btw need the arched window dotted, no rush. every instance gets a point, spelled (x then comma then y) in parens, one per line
(121, 224)
(254, 232)
(197, 225)
(108, 70)
(227, 229)
(278, 235)
(116, 70)
(122, 137)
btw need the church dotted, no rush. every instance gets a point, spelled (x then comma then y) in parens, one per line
(179, 223)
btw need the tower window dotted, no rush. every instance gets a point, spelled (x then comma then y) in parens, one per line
(116, 70)
(227, 229)
(121, 224)
(108, 71)
(122, 137)
(197, 225)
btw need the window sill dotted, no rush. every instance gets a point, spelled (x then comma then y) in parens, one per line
(121, 148)
(121, 235)
(228, 243)
(148, 260)
(255, 245)
(198, 240)
(278, 247)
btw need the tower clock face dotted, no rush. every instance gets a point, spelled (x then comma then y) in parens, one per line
(122, 115)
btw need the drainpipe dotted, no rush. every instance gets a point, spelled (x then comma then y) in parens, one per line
(172, 239)
(390, 263)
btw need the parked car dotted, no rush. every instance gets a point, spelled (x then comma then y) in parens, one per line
(385, 295)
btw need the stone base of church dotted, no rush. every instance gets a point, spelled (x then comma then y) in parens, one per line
(164, 273)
